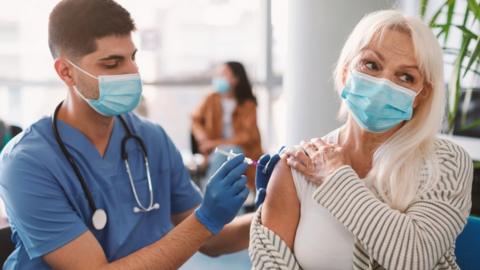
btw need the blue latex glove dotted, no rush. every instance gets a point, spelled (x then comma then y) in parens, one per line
(225, 193)
(265, 167)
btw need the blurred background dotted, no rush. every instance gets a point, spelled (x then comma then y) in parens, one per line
(289, 48)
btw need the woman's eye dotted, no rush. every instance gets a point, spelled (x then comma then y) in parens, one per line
(407, 78)
(371, 65)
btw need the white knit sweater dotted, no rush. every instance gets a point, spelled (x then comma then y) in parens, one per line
(423, 237)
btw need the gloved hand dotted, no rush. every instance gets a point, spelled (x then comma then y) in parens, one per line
(265, 167)
(224, 195)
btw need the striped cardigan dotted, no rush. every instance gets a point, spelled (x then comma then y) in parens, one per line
(423, 237)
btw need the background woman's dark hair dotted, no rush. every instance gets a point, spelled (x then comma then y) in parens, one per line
(243, 89)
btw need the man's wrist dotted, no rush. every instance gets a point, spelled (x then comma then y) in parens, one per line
(211, 226)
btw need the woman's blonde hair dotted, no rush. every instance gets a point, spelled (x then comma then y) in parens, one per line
(397, 164)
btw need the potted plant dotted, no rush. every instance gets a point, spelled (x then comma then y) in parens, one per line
(462, 55)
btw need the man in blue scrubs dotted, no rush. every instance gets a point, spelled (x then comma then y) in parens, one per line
(48, 209)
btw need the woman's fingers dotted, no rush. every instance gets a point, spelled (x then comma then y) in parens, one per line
(309, 148)
(301, 156)
(323, 146)
(311, 174)
(318, 142)
(289, 151)
(293, 163)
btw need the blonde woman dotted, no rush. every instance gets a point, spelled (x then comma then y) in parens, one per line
(380, 192)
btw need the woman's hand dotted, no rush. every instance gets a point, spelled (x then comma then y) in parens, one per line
(316, 159)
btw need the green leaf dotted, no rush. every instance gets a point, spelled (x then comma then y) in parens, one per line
(476, 164)
(455, 51)
(476, 72)
(474, 8)
(469, 126)
(448, 23)
(423, 8)
(434, 18)
(466, 31)
(474, 57)
(440, 33)
(437, 25)
(454, 88)
(465, 17)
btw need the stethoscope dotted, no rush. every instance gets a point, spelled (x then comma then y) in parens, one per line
(99, 217)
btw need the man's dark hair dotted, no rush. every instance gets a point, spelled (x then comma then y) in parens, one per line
(75, 25)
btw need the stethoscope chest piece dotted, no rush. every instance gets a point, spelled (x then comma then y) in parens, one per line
(99, 219)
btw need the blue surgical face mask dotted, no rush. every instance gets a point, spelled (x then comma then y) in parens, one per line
(118, 94)
(221, 84)
(376, 104)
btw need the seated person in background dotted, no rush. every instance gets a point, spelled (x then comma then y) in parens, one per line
(380, 192)
(7, 132)
(227, 118)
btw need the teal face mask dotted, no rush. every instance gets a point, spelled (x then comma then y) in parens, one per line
(220, 84)
(377, 104)
(118, 94)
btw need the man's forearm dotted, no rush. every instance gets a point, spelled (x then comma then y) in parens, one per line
(170, 252)
(234, 237)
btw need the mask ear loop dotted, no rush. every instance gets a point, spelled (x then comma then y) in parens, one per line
(82, 70)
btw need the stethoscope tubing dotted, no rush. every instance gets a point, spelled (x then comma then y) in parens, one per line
(91, 202)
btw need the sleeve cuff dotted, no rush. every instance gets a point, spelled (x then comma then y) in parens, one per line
(60, 241)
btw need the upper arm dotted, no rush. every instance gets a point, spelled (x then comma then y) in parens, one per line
(198, 121)
(36, 201)
(84, 252)
(281, 209)
(198, 113)
(247, 129)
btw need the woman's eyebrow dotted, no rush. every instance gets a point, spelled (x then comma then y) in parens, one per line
(410, 67)
(379, 55)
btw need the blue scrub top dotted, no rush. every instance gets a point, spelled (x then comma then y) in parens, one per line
(46, 205)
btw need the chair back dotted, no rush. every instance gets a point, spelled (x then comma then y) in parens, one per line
(467, 248)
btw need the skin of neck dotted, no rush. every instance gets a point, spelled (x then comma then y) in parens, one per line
(78, 114)
(360, 142)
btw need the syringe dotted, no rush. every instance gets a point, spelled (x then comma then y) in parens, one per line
(231, 154)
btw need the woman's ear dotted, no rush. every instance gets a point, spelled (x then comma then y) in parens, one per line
(423, 95)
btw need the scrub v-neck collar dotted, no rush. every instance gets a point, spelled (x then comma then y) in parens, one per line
(75, 139)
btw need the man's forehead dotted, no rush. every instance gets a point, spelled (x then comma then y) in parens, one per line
(114, 45)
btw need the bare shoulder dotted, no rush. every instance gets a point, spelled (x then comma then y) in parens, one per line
(281, 210)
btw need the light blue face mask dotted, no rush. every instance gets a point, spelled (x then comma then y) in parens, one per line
(377, 104)
(221, 85)
(118, 94)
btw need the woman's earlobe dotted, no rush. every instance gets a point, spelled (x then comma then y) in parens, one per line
(423, 95)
